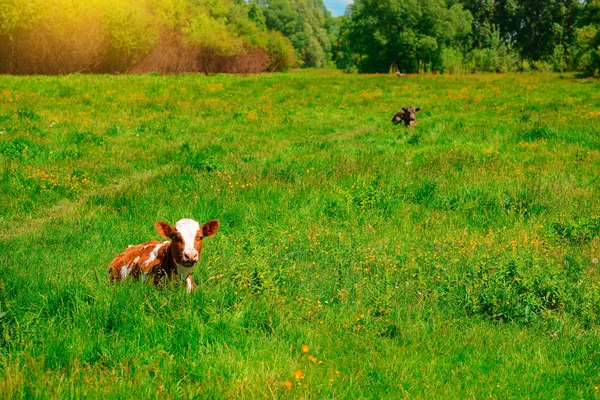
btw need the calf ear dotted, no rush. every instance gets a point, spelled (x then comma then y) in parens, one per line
(417, 110)
(164, 229)
(210, 228)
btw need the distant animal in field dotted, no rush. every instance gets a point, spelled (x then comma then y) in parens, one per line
(399, 74)
(408, 115)
(157, 261)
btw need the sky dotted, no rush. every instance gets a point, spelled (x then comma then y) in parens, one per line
(337, 7)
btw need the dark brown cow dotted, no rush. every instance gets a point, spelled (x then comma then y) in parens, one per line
(407, 115)
(158, 260)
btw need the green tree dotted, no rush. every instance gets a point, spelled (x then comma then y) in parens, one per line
(256, 15)
(538, 26)
(409, 34)
(587, 48)
(342, 53)
(537, 29)
(307, 23)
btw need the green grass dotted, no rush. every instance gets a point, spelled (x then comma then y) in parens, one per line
(455, 259)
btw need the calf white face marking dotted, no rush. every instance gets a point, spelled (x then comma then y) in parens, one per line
(188, 229)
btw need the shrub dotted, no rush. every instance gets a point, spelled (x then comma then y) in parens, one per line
(518, 290)
(587, 58)
(72, 41)
(558, 60)
(132, 33)
(281, 52)
(170, 55)
(452, 61)
(541, 66)
(213, 36)
(168, 36)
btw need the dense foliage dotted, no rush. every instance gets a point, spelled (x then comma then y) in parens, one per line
(409, 34)
(308, 25)
(470, 35)
(62, 36)
(456, 36)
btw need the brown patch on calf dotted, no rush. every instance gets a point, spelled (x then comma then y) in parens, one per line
(408, 115)
(137, 260)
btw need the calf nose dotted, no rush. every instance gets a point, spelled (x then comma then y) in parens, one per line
(190, 255)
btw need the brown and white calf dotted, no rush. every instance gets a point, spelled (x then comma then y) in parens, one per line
(407, 115)
(157, 260)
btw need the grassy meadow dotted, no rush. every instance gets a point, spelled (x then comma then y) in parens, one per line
(356, 259)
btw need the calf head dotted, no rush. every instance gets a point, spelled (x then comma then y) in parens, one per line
(408, 115)
(186, 239)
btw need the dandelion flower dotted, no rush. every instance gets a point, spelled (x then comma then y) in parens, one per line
(305, 348)
(312, 358)
(287, 384)
(298, 374)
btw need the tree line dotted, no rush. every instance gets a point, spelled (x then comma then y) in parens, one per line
(470, 35)
(172, 36)
(114, 36)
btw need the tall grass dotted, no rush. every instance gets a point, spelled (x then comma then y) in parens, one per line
(356, 258)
